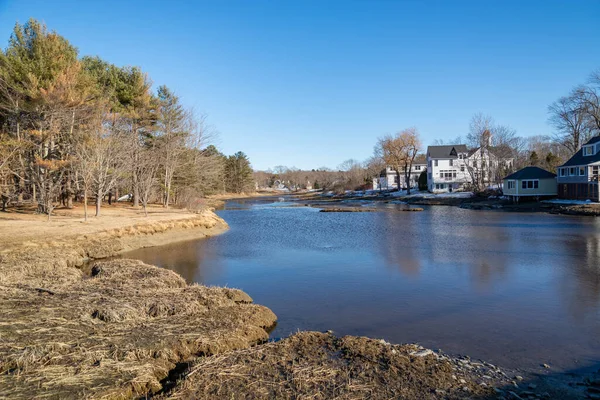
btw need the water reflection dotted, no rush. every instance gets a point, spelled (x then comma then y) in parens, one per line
(184, 258)
(581, 284)
(400, 245)
(515, 289)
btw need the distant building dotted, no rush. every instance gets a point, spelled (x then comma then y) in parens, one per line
(578, 178)
(388, 179)
(530, 182)
(454, 167)
(447, 168)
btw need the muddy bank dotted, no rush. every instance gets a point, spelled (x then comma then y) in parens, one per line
(322, 366)
(471, 203)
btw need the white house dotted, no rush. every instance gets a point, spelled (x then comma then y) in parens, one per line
(453, 167)
(447, 168)
(388, 179)
(487, 166)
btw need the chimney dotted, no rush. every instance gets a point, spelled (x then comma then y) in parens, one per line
(486, 138)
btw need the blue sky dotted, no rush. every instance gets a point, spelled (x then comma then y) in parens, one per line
(312, 83)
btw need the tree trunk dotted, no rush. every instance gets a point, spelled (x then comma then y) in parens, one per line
(98, 203)
(168, 197)
(136, 190)
(85, 205)
(69, 191)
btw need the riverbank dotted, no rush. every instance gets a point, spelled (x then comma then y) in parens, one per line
(121, 328)
(462, 200)
(218, 200)
(131, 330)
(323, 366)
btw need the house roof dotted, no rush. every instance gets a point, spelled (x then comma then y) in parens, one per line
(446, 151)
(531, 173)
(579, 159)
(495, 150)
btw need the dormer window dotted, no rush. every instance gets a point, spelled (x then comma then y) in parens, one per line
(588, 150)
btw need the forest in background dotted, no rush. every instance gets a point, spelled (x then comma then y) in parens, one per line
(76, 128)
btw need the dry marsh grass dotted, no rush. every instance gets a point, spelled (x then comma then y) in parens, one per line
(118, 333)
(312, 365)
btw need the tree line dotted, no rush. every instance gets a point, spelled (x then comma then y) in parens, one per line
(80, 127)
(575, 118)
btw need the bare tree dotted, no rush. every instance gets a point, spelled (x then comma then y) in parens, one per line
(147, 175)
(373, 167)
(568, 118)
(399, 152)
(493, 150)
(352, 174)
(102, 157)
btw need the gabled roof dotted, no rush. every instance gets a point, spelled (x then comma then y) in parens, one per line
(494, 150)
(579, 159)
(593, 140)
(531, 173)
(447, 151)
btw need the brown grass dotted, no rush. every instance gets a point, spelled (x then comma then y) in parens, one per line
(312, 365)
(117, 333)
(46, 258)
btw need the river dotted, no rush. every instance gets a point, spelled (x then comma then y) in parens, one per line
(514, 289)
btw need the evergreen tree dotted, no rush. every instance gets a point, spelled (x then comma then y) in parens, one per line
(238, 173)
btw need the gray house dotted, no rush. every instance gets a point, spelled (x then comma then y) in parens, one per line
(530, 182)
(578, 177)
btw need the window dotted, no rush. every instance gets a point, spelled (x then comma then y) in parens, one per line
(417, 167)
(581, 171)
(451, 162)
(563, 171)
(572, 171)
(447, 174)
(588, 151)
(511, 184)
(395, 178)
(435, 163)
(462, 168)
(530, 184)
